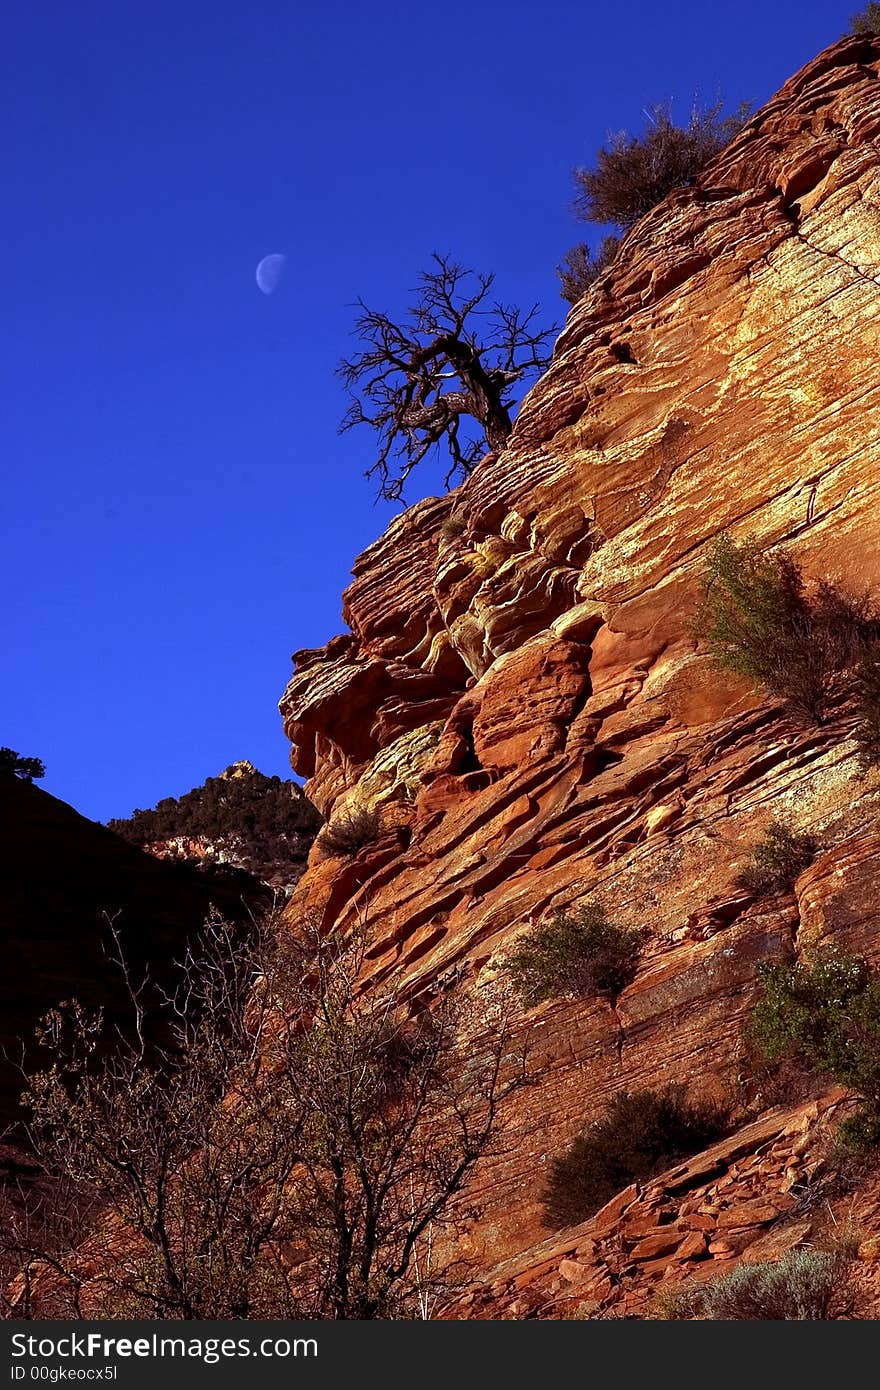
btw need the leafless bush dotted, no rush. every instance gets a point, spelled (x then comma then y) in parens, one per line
(634, 172)
(293, 1153)
(349, 834)
(582, 265)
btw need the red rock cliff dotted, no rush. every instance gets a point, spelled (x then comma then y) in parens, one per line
(525, 700)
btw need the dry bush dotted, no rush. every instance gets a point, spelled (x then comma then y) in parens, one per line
(635, 172)
(295, 1156)
(805, 1285)
(582, 265)
(758, 621)
(455, 524)
(579, 952)
(779, 856)
(349, 834)
(641, 1133)
(867, 21)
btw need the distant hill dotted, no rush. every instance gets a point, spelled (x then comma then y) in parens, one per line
(61, 878)
(262, 824)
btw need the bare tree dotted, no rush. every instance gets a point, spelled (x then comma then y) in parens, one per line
(182, 1154)
(455, 358)
(397, 1109)
(294, 1153)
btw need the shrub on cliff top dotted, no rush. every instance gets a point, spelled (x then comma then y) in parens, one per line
(634, 172)
(867, 21)
(12, 764)
(582, 265)
(777, 859)
(641, 1133)
(578, 952)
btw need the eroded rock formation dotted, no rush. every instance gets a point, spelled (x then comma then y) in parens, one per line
(522, 694)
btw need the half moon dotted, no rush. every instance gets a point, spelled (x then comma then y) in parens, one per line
(270, 271)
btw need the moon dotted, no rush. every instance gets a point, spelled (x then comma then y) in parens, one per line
(270, 271)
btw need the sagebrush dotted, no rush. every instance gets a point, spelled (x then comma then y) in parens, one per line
(633, 173)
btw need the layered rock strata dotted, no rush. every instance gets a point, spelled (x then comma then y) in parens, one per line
(521, 692)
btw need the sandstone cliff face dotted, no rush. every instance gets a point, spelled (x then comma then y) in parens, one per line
(525, 700)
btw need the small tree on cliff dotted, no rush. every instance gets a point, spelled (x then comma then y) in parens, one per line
(294, 1155)
(442, 376)
(12, 764)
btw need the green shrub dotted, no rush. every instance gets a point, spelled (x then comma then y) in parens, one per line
(582, 265)
(756, 620)
(777, 859)
(634, 172)
(641, 1133)
(804, 1286)
(580, 953)
(826, 1013)
(347, 836)
(867, 691)
(867, 21)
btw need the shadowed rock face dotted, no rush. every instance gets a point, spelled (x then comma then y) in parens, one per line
(525, 698)
(61, 878)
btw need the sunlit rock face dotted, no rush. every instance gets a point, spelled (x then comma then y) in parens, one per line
(521, 691)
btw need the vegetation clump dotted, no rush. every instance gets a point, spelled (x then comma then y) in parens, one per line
(757, 620)
(579, 952)
(632, 174)
(867, 21)
(582, 265)
(779, 856)
(804, 1286)
(867, 692)
(13, 764)
(641, 1133)
(825, 1014)
(346, 836)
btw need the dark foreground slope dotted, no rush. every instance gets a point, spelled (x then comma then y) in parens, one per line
(62, 879)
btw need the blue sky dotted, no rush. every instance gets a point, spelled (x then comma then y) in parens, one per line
(178, 512)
